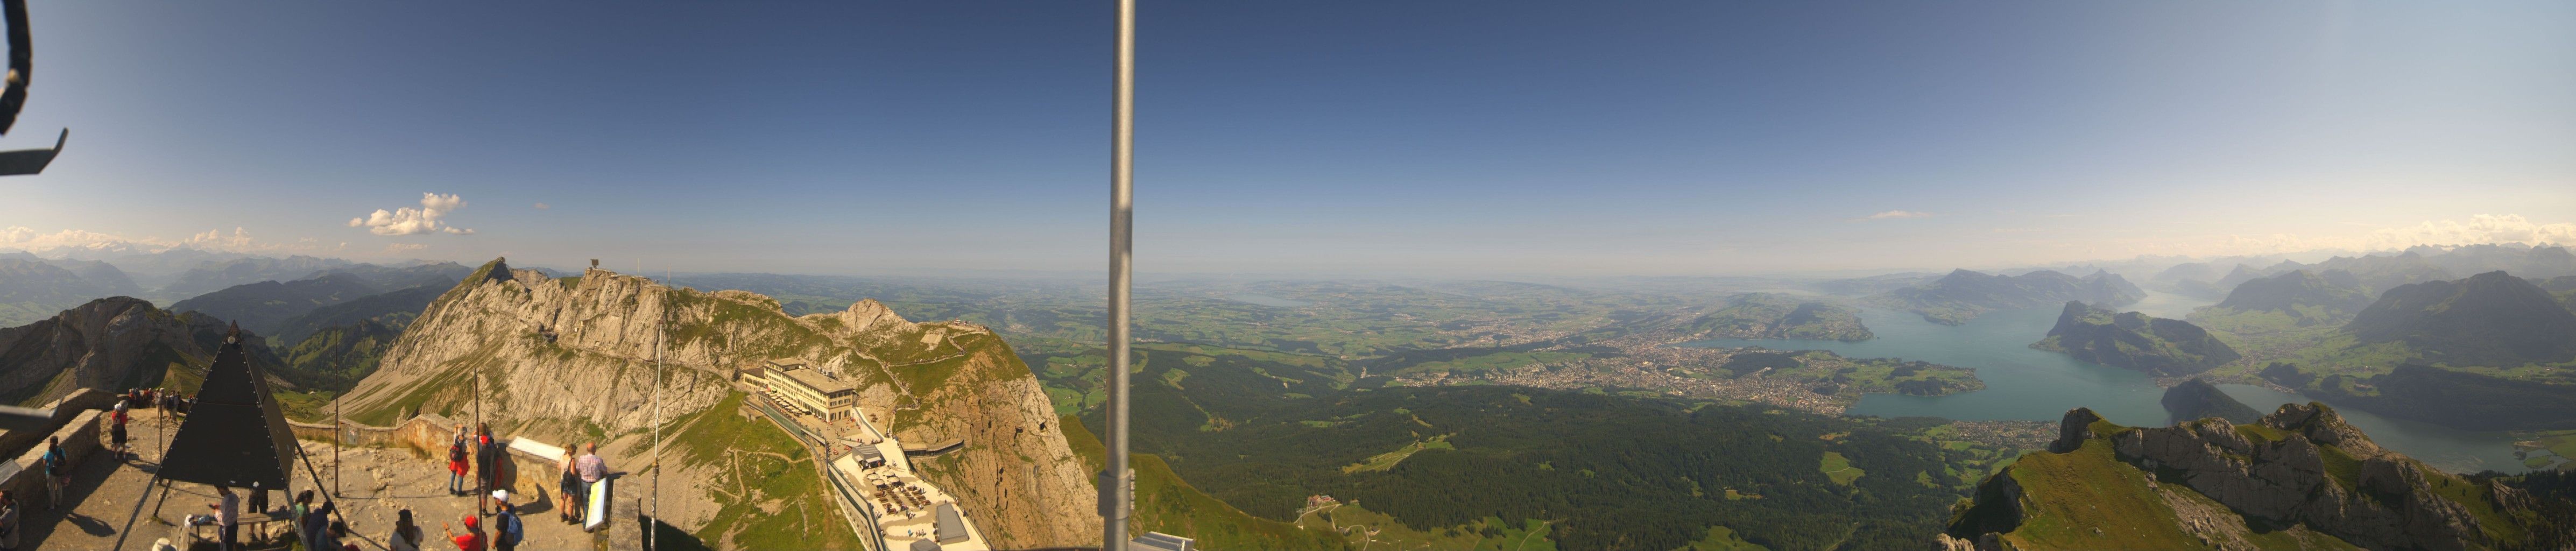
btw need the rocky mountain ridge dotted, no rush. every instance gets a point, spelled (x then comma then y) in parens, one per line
(33, 288)
(1955, 298)
(2490, 319)
(2297, 478)
(574, 359)
(2308, 298)
(109, 343)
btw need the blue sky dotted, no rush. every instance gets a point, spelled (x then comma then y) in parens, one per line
(1452, 138)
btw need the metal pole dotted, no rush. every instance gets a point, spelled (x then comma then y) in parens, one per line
(658, 346)
(1118, 483)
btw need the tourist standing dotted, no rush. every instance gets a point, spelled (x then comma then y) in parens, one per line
(116, 431)
(592, 469)
(485, 454)
(456, 462)
(406, 536)
(258, 498)
(506, 530)
(58, 471)
(228, 517)
(570, 491)
(471, 540)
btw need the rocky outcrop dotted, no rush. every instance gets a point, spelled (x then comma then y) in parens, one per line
(2197, 399)
(2135, 341)
(109, 343)
(2297, 478)
(2303, 465)
(573, 358)
(2073, 430)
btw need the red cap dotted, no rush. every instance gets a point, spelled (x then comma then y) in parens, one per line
(469, 522)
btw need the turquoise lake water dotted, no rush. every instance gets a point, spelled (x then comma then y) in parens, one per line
(2028, 384)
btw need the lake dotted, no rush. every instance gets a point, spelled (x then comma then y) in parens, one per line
(2028, 384)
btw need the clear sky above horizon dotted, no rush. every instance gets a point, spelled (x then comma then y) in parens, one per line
(1333, 137)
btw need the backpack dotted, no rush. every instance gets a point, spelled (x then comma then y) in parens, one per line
(511, 532)
(456, 451)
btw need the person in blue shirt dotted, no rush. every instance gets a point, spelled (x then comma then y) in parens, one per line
(58, 473)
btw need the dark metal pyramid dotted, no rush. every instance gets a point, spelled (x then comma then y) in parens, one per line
(235, 435)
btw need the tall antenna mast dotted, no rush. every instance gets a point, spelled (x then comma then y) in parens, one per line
(1117, 484)
(663, 332)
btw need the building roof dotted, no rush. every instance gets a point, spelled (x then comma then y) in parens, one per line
(815, 380)
(951, 528)
(925, 545)
(1158, 541)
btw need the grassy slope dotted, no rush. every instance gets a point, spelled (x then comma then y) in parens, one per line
(781, 501)
(2088, 499)
(1165, 503)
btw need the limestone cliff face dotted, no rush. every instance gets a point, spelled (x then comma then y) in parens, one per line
(2283, 476)
(2287, 475)
(2297, 478)
(572, 359)
(109, 343)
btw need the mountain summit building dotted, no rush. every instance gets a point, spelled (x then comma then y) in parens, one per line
(818, 394)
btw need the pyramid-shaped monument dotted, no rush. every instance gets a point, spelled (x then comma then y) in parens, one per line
(235, 435)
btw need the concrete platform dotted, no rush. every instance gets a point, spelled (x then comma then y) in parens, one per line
(374, 483)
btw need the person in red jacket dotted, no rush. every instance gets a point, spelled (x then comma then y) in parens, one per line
(471, 540)
(456, 455)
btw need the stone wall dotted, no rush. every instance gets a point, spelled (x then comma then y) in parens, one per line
(25, 476)
(19, 441)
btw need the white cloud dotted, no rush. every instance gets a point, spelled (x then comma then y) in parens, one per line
(1893, 214)
(216, 240)
(543, 206)
(399, 248)
(239, 240)
(429, 218)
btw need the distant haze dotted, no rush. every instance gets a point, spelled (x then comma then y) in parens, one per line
(1443, 139)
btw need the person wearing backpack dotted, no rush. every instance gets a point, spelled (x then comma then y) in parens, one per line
(506, 528)
(456, 463)
(58, 474)
(117, 432)
(486, 454)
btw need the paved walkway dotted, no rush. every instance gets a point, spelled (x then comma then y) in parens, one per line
(374, 484)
